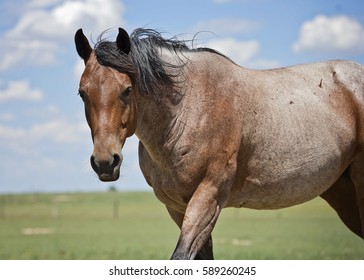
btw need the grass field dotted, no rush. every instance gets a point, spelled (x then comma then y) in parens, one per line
(136, 226)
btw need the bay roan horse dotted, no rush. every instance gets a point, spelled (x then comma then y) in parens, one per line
(213, 134)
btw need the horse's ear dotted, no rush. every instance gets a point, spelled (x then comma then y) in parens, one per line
(123, 41)
(82, 45)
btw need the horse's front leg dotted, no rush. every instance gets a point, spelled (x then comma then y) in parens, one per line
(205, 252)
(357, 176)
(199, 220)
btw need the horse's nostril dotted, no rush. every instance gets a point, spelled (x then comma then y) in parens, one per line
(93, 164)
(116, 161)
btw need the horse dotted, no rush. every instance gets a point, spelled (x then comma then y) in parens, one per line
(214, 134)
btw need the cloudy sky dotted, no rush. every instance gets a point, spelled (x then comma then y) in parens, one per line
(45, 143)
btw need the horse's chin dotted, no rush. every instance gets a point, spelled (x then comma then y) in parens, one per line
(109, 178)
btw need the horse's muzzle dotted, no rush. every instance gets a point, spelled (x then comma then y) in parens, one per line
(107, 169)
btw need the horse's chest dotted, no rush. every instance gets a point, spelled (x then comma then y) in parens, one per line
(171, 182)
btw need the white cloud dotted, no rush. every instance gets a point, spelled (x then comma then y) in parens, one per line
(337, 34)
(19, 91)
(16, 51)
(59, 131)
(60, 20)
(30, 141)
(244, 53)
(45, 26)
(10, 133)
(239, 51)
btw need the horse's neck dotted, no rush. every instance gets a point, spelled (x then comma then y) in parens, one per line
(154, 120)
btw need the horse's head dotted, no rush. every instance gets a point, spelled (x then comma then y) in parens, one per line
(110, 108)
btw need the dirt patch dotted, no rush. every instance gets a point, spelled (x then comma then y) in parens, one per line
(37, 231)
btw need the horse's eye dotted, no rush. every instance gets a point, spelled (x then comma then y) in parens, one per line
(126, 93)
(81, 94)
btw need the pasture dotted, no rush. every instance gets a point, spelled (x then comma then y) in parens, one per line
(118, 225)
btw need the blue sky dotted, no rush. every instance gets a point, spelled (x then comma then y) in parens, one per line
(45, 143)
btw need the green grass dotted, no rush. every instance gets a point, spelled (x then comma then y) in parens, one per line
(89, 226)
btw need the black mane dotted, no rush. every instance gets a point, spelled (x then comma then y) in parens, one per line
(143, 64)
